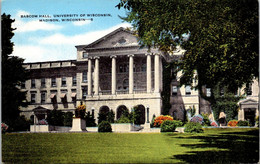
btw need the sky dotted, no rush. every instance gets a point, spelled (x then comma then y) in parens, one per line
(37, 41)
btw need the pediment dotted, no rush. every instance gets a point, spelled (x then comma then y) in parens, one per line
(40, 109)
(118, 38)
(248, 101)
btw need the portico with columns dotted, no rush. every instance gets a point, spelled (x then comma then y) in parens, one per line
(119, 72)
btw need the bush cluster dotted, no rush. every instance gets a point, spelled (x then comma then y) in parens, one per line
(197, 119)
(193, 127)
(104, 126)
(232, 123)
(20, 124)
(170, 125)
(4, 128)
(206, 121)
(106, 116)
(90, 120)
(59, 118)
(214, 123)
(123, 119)
(243, 123)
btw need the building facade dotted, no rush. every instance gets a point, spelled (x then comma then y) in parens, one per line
(112, 73)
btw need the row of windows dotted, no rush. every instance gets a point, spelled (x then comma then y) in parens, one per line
(54, 82)
(188, 90)
(208, 90)
(53, 98)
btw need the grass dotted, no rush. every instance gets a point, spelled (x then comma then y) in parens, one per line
(213, 146)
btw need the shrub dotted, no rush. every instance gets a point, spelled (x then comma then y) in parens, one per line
(4, 128)
(232, 123)
(90, 120)
(206, 121)
(159, 120)
(178, 123)
(111, 116)
(197, 119)
(123, 119)
(104, 126)
(193, 127)
(214, 123)
(242, 123)
(135, 116)
(55, 117)
(42, 122)
(20, 124)
(168, 126)
(68, 119)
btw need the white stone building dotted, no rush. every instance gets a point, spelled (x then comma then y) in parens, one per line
(112, 73)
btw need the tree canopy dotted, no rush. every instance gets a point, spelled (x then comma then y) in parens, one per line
(13, 74)
(220, 37)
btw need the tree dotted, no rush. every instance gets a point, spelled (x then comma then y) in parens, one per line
(220, 37)
(13, 74)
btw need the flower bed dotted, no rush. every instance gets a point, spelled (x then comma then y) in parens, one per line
(232, 123)
(159, 120)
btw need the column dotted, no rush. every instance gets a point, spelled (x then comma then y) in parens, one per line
(96, 79)
(156, 73)
(131, 74)
(89, 77)
(148, 73)
(243, 114)
(113, 86)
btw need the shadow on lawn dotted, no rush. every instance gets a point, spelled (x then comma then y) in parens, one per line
(239, 147)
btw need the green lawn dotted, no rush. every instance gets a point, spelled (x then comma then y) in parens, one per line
(213, 146)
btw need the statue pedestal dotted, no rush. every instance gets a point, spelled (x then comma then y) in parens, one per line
(78, 125)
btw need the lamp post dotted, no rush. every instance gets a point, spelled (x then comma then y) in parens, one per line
(147, 115)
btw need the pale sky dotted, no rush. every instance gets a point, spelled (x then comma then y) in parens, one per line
(37, 41)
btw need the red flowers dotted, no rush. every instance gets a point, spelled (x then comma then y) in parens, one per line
(232, 123)
(159, 120)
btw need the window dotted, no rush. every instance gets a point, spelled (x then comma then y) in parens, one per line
(84, 93)
(249, 89)
(43, 97)
(85, 55)
(23, 85)
(43, 82)
(53, 82)
(188, 89)
(123, 68)
(33, 97)
(85, 77)
(33, 83)
(74, 80)
(125, 84)
(63, 81)
(208, 92)
(174, 90)
(143, 68)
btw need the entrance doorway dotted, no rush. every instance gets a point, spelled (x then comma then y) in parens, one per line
(250, 115)
(140, 109)
(121, 110)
